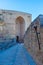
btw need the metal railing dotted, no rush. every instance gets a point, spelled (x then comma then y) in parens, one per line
(37, 35)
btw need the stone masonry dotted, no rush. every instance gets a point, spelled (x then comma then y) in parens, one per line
(31, 40)
(14, 23)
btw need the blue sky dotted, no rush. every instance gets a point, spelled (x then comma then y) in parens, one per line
(35, 7)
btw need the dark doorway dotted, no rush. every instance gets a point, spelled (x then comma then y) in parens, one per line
(17, 38)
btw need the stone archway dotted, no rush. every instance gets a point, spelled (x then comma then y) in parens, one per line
(20, 27)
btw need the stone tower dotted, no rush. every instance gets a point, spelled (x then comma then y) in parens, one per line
(14, 23)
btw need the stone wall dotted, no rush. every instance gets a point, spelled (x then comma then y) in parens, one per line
(31, 42)
(10, 17)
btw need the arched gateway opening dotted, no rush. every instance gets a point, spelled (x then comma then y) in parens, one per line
(20, 28)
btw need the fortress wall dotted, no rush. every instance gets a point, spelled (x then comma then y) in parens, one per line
(31, 42)
(9, 18)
